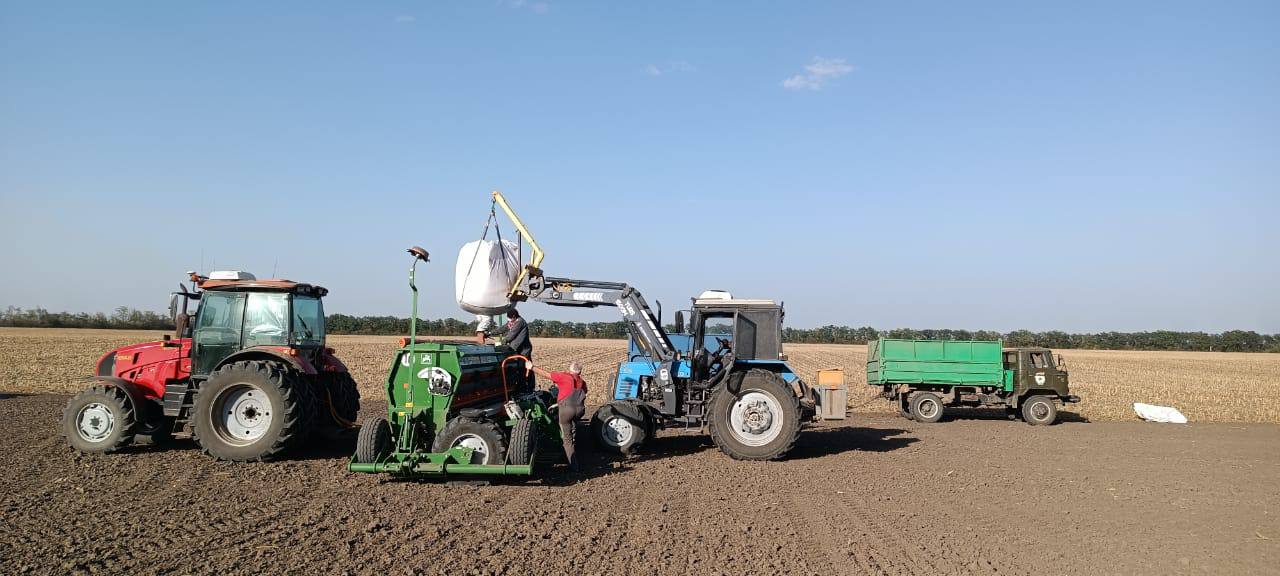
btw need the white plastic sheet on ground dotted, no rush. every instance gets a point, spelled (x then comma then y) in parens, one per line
(1153, 413)
(485, 271)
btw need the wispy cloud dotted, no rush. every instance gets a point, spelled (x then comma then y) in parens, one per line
(535, 7)
(402, 19)
(818, 73)
(668, 68)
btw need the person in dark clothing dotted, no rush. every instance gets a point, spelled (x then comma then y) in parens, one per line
(571, 398)
(516, 336)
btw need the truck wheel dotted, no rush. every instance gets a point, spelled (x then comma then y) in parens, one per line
(616, 432)
(1039, 410)
(483, 437)
(524, 442)
(374, 441)
(900, 404)
(926, 407)
(250, 410)
(99, 420)
(754, 416)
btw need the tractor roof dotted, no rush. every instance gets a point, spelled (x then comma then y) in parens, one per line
(270, 285)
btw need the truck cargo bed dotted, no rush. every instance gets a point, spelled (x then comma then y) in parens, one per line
(944, 362)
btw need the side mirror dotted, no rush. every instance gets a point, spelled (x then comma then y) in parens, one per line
(173, 307)
(679, 321)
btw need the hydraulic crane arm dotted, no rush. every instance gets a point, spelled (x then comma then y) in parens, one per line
(642, 323)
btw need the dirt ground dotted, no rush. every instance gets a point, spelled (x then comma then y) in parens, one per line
(872, 495)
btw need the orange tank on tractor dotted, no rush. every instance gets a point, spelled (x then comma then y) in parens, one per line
(248, 376)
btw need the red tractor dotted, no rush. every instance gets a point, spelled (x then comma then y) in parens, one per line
(247, 376)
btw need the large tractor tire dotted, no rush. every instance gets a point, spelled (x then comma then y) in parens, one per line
(1039, 410)
(374, 442)
(250, 411)
(617, 432)
(337, 404)
(754, 416)
(524, 442)
(98, 420)
(485, 438)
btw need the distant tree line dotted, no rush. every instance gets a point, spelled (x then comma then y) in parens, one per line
(121, 319)
(1229, 341)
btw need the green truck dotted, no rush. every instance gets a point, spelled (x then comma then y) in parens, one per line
(922, 377)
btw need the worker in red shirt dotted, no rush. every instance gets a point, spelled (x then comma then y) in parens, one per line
(571, 397)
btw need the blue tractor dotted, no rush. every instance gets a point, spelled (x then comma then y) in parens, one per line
(732, 377)
(736, 386)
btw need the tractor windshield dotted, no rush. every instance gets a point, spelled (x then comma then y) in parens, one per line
(308, 321)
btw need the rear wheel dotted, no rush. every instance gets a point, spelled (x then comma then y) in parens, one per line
(374, 441)
(1039, 410)
(754, 416)
(250, 410)
(483, 438)
(926, 407)
(617, 432)
(337, 404)
(99, 420)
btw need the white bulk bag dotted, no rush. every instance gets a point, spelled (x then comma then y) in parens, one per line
(1153, 413)
(485, 271)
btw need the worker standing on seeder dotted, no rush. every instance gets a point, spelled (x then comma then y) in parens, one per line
(571, 397)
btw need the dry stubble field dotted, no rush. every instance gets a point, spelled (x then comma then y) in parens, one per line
(1206, 386)
(875, 494)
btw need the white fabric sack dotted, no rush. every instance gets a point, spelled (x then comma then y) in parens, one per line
(485, 271)
(1153, 413)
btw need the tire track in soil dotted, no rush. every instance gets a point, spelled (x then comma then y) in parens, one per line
(829, 541)
(895, 552)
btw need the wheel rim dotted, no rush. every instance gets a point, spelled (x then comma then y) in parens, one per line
(94, 422)
(617, 432)
(928, 408)
(480, 448)
(756, 419)
(1040, 411)
(242, 414)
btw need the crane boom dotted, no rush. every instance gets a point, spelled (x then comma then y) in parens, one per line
(643, 325)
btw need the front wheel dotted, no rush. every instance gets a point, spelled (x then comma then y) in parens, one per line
(754, 416)
(98, 420)
(1039, 410)
(616, 432)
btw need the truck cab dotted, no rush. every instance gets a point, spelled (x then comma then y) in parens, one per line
(1034, 369)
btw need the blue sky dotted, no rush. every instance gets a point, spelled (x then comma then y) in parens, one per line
(1082, 166)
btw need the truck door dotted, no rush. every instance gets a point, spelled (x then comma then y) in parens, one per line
(217, 332)
(1036, 371)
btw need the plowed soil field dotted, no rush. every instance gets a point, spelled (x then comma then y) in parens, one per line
(875, 494)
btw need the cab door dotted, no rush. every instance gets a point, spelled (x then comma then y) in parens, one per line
(217, 331)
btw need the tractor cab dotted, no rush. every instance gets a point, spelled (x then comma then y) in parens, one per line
(238, 312)
(738, 330)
